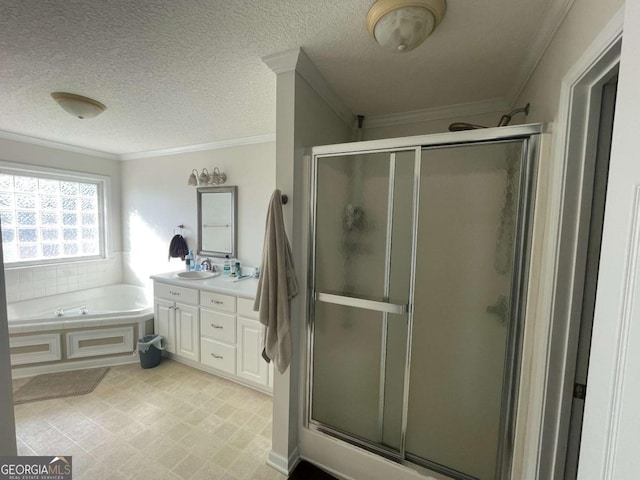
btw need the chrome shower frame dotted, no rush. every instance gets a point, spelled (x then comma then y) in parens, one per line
(530, 135)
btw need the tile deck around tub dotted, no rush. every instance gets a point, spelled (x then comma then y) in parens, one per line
(168, 422)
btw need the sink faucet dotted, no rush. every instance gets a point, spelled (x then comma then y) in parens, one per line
(207, 264)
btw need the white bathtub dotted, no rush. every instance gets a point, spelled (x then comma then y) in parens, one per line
(109, 305)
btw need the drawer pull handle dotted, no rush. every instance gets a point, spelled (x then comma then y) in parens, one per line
(217, 356)
(217, 302)
(216, 326)
(174, 293)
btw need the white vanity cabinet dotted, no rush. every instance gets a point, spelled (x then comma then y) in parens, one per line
(177, 319)
(250, 364)
(214, 331)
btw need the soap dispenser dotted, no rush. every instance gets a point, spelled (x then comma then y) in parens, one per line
(226, 269)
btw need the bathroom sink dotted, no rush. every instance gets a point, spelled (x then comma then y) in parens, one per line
(201, 275)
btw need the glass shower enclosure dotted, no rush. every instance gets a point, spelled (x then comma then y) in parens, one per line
(419, 254)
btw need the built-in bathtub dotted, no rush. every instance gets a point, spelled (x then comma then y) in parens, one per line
(99, 326)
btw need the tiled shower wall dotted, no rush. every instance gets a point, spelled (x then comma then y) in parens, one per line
(33, 282)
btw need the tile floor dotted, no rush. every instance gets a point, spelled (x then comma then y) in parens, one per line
(170, 422)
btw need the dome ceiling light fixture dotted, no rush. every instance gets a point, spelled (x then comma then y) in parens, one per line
(79, 106)
(402, 25)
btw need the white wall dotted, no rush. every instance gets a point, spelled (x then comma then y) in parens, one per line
(583, 23)
(585, 20)
(156, 199)
(30, 282)
(435, 126)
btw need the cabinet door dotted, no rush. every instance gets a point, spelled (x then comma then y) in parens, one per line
(250, 365)
(187, 332)
(165, 323)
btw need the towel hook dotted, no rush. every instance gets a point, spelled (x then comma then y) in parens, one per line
(181, 226)
(285, 199)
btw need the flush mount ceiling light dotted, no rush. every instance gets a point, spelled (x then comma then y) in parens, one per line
(402, 25)
(79, 106)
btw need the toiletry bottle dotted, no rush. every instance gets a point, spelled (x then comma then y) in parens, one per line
(238, 269)
(233, 272)
(192, 264)
(188, 261)
(226, 269)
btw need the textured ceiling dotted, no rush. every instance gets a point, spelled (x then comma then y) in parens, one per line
(184, 72)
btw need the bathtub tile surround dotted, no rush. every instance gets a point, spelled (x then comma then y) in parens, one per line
(26, 283)
(169, 422)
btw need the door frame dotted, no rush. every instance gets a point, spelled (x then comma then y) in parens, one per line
(563, 256)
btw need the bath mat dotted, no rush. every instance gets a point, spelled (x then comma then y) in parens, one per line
(59, 385)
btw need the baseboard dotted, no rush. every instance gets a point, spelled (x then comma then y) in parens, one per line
(75, 365)
(282, 464)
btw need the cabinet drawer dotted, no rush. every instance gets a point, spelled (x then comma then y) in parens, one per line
(218, 355)
(245, 308)
(225, 303)
(218, 326)
(178, 294)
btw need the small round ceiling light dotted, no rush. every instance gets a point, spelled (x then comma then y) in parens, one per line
(402, 25)
(79, 106)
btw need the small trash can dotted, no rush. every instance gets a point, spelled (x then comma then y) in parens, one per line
(150, 350)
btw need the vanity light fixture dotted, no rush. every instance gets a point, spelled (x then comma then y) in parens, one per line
(193, 178)
(402, 25)
(206, 178)
(79, 106)
(218, 178)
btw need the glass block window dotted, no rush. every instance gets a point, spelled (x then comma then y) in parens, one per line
(46, 219)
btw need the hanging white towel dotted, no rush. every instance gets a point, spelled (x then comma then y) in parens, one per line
(276, 286)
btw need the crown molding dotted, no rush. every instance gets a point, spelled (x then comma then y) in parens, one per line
(18, 137)
(282, 62)
(233, 142)
(297, 60)
(553, 18)
(437, 113)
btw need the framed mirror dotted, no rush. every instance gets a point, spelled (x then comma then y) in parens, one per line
(217, 225)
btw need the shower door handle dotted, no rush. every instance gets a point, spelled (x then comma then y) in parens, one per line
(385, 307)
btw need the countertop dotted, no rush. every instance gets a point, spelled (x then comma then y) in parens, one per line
(244, 288)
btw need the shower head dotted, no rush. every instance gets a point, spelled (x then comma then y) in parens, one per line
(504, 121)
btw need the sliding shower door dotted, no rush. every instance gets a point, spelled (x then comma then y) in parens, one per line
(364, 225)
(419, 260)
(463, 327)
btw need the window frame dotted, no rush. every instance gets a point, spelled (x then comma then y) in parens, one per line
(103, 184)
